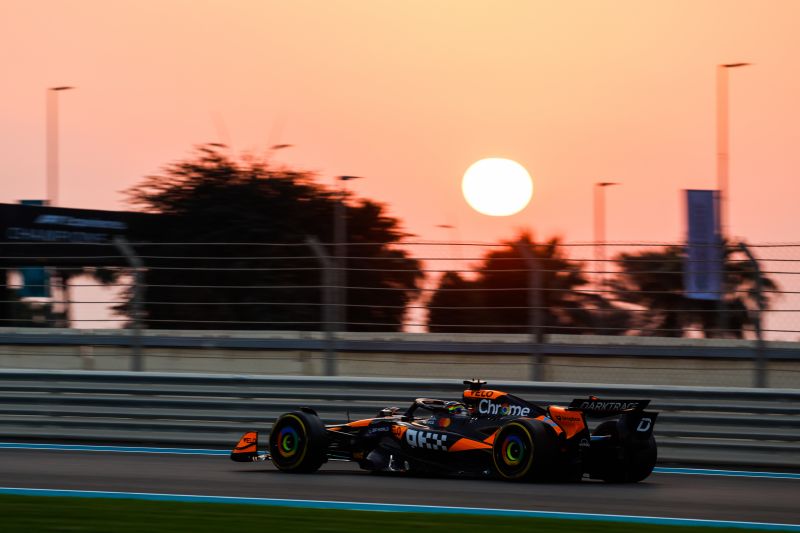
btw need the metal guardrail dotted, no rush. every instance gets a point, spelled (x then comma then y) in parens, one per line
(715, 426)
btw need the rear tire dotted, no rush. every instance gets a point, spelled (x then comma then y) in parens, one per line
(298, 443)
(524, 450)
(630, 460)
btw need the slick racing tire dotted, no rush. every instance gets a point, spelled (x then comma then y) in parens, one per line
(636, 460)
(298, 443)
(524, 450)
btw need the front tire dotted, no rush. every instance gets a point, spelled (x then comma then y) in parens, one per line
(298, 443)
(524, 450)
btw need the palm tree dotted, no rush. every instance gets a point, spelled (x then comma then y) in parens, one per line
(652, 280)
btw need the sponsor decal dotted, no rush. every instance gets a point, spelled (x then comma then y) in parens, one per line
(607, 406)
(52, 235)
(64, 228)
(644, 425)
(426, 439)
(584, 443)
(550, 423)
(571, 422)
(398, 431)
(375, 430)
(488, 407)
(482, 394)
(61, 220)
(247, 443)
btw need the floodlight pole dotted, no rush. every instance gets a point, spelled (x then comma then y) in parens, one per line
(328, 298)
(340, 239)
(760, 375)
(137, 300)
(723, 179)
(535, 315)
(52, 142)
(600, 229)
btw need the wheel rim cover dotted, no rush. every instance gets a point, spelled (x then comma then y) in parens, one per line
(513, 450)
(288, 442)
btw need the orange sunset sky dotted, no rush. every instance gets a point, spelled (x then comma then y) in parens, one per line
(409, 93)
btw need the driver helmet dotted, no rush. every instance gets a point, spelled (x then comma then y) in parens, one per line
(451, 411)
(456, 409)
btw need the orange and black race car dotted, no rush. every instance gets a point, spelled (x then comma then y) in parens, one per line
(487, 433)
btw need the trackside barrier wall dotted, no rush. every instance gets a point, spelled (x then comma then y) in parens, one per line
(711, 426)
(564, 358)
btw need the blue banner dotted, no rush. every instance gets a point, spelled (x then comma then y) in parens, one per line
(702, 273)
(35, 280)
(35, 283)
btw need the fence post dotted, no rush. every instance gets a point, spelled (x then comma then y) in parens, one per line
(760, 378)
(722, 312)
(328, 310)
(339, 277)
(7, 307)
(534, 310)
(137, 300)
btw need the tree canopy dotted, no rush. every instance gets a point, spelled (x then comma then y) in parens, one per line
(653, 281)
(265, 277)
(496, 299)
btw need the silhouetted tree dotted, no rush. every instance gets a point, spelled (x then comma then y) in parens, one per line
(212, 198)
(497, 301)
(653, 281)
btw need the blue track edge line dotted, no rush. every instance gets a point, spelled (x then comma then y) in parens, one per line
(729, 473)
(115, 449)
(385, 507)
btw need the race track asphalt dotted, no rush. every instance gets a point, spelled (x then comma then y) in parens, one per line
(749, 499)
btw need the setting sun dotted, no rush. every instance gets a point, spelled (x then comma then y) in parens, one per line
(497, 187)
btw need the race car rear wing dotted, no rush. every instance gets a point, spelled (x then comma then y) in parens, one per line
(594, 407)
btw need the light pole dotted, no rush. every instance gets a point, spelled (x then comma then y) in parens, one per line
(600, 228)
(451, 230)
(52, 142)
(51, 111)
(723, 185)
(454, 241)
(340, 238)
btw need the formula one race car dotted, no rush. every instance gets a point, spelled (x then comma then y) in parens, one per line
(487, 433)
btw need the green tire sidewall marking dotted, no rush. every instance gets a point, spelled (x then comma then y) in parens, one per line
(304, 436)
(527, 467)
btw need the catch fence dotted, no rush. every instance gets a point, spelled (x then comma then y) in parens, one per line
(516, 288)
